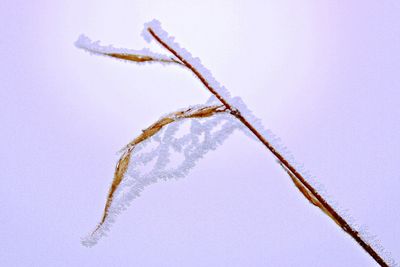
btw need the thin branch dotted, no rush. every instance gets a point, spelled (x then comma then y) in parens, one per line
(193, 69)
(300, 180)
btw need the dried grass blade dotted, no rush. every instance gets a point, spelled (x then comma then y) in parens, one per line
(137, 56)
(123, 162)
(309, 195)
(141, 58)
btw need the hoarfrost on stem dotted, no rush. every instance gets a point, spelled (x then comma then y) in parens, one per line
(147, 167)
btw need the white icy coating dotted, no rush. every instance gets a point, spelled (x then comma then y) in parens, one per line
(94, 47)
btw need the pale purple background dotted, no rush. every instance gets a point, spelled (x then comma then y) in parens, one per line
(323, 76)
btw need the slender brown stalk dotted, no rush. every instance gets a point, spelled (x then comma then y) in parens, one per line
(296, 176)
(193, 69)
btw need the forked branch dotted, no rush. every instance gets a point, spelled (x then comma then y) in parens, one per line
(308, 191)
(179, 57)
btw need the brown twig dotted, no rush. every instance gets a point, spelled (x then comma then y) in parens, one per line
(309, 191)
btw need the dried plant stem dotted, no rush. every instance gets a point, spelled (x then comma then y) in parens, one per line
(308, 191)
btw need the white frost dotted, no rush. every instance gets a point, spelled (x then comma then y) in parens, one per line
(94, 47)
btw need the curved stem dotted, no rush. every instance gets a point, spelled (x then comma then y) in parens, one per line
(285, 163)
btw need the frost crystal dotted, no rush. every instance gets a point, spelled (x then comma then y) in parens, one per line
(96, 48)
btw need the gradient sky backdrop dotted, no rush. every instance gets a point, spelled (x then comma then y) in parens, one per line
(322, 76)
